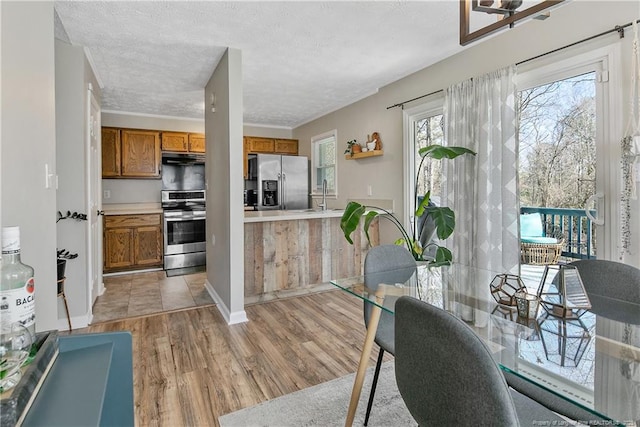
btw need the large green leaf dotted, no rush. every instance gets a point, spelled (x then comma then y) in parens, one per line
(443, 257)
(441, 152)
(350, 219)
(445, 220)
(423, 204)
(367, 222)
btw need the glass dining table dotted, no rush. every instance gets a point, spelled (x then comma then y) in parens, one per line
(590, 357)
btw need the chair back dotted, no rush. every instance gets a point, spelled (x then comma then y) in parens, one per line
(387, 264)
(609, 282)
(445, 373)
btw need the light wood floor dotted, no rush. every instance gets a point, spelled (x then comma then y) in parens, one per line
(190, 367)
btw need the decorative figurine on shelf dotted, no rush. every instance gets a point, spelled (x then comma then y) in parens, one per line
(375, 137)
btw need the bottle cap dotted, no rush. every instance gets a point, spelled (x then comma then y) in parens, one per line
(10, 239)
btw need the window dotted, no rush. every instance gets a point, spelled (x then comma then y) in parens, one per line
(323, 159)
(429, 130)
(423, 126)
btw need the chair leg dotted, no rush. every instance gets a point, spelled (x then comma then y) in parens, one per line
(373, 386)
(66, 307)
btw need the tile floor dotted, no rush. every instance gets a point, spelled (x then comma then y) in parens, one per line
(139, 294)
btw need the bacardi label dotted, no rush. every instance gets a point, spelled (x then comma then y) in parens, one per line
(19, 305)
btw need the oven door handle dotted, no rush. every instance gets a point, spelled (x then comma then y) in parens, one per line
(184, 218)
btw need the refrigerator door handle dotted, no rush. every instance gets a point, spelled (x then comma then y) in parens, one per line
(280, 190)
(284, 192)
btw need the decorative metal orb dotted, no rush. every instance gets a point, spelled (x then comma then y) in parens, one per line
(504, 287)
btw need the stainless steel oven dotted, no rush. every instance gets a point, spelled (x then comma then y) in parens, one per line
(184, 231)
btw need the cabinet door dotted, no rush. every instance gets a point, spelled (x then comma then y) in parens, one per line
(196, 143)
(140, 153)
(110, 152)
(260, 145)
(286, 146)
(118, 248)
(175, 141)
(148, 245)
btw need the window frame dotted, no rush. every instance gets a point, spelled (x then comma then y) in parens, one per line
(333, 193)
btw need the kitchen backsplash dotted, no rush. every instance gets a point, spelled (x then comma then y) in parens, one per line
(131, 190)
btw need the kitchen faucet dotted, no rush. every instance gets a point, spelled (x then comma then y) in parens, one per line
(323, 205)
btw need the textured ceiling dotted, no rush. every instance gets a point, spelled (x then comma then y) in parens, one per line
(300, 60)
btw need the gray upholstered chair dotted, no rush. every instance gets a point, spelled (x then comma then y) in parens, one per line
(384, 264)
(447, 376)
(608, 284)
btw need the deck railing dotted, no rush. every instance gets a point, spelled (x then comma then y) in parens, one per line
(574, 225)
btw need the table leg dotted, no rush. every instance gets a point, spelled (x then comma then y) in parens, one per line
(364, 361)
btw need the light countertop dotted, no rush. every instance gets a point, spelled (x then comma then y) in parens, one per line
(263, 216)
(131, 208)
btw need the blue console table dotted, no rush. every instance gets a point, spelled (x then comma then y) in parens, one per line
(90, 383)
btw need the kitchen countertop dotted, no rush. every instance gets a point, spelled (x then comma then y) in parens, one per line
(263, 216)
(131, 208)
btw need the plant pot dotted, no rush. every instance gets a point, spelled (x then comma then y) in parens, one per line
(356, 148)
(62, 264)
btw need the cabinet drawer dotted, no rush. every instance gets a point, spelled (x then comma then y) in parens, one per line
(115, 221)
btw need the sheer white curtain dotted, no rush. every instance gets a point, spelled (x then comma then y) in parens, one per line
(480, 114)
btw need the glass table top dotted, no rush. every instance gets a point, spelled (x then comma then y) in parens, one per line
(590, 357)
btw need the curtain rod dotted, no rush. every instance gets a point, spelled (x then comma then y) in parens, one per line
(618, 28)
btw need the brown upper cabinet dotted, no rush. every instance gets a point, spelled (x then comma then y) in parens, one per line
(197, 143)
(111, 160)
(175, 141)
(287, 146)
(130, 153)
(183, 142)
(260, 145)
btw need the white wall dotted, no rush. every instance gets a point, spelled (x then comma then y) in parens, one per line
(574, 21)
(267, 131)
(70, 159)
(29, 143)
(73, 75)
(224, 175)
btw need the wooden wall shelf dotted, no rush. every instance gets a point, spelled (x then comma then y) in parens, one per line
(363, 155)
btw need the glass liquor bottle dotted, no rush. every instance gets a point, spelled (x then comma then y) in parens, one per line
(17, 290)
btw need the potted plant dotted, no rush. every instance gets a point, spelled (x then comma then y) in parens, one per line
(353, 147)
(443, 217)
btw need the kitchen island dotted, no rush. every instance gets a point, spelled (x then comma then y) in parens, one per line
(295, 252)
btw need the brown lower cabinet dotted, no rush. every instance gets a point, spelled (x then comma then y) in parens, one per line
(132, 242)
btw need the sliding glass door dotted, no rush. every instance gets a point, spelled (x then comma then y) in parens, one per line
(567, 154)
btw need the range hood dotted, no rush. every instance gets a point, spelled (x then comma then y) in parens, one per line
(182, 159)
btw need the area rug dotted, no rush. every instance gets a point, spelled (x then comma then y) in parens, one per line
(326, 405)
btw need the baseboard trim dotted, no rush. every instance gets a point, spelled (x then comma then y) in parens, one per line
(77, 322)
(230, 318)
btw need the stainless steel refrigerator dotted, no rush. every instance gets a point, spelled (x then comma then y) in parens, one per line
(282, 182)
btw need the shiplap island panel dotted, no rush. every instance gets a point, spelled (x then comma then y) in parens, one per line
(287, 254)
